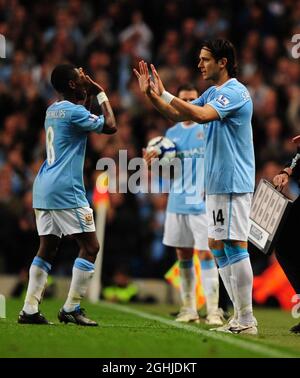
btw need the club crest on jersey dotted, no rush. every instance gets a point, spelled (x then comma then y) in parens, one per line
(223, 100)
(200, 135)
(245, 95)
(88, 219)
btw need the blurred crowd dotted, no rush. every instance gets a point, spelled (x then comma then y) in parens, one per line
(108, 38)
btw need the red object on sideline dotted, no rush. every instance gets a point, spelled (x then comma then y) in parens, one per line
(273, 283)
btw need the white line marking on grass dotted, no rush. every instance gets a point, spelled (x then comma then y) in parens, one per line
(234, 340)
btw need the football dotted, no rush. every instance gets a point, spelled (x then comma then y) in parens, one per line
(165, 148)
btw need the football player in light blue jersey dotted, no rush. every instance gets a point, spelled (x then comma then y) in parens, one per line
(59, 199)
(226, 109)
(186, 224)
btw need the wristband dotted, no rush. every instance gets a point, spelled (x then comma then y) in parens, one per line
(101, 97)
(167, 97)
(282, 172)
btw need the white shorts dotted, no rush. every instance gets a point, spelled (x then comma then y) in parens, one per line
(186, 231)
(228, 216)
(64, 222)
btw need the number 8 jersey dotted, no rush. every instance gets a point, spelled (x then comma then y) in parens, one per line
(59, 183)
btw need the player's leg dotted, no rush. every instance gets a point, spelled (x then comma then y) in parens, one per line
(241, 282)
(209, 272)
(79, 223)
(38, 274)
(40, 267)
(217, 248)
(177, 234)
(188, 311)
(210, 283)
(82, 273)
(83, 269)
(217, 211)
(236, 249)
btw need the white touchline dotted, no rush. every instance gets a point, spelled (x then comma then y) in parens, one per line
(226, 338)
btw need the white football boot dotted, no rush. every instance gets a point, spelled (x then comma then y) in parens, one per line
(186, 315)
(244, 329)
(232, 322)
(215, 318)
(233, 326)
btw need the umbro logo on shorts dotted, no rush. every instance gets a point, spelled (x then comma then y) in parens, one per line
(219, 229)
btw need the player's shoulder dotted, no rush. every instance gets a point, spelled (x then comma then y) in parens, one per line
(235, 84)
(235, 90)
(63, 105)
(58, 109)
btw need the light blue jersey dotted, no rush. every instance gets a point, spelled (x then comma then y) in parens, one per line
(229, 152)
(187, 191)
(59, 183)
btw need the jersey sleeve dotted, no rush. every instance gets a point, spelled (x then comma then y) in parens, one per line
(200, 101)
(227, 101)
(87, 121)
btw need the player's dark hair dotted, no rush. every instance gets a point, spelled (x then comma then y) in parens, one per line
(61, 75)
(187, 87)
(222, 48)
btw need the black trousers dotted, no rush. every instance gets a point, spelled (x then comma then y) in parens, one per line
(288, 246)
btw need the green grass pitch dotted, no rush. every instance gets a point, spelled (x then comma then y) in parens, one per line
(142, 331)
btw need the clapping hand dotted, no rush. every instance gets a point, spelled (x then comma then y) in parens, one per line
(143, 77)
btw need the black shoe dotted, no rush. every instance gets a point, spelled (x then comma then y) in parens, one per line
(295, 328)
(36, 318)
(77, 316)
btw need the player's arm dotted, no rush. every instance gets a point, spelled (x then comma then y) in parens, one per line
(169, 105)
(183, 110)
(166, 109)
(191, 112)
(292, 169)
(94, 89)
(110, 126)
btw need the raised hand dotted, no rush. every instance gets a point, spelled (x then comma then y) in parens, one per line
(95, 88)
(91, 86)
(143, 77)
(157, 85)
